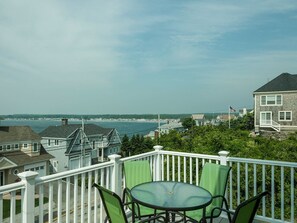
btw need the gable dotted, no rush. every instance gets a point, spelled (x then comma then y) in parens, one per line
(75, 143)
(6, 163)
(283, 82)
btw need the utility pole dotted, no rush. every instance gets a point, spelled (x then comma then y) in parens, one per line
(82, 143)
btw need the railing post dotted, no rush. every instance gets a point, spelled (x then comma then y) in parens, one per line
(28, 204)
(157, 175)
(116, 174)
(223, 157)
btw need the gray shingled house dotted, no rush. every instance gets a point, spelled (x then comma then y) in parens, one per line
(21, 150)
(275, 105)
(75, 145)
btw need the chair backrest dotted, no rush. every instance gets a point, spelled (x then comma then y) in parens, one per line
(214, 178)
(137, 172)
(112, 204)
(246, 211)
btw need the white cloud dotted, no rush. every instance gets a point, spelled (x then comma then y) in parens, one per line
(111, 49)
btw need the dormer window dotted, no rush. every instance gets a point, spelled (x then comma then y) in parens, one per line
(35, 147)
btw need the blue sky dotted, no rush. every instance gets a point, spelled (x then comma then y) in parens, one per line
(141, 56)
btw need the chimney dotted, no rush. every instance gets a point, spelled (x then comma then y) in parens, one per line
(64, 121)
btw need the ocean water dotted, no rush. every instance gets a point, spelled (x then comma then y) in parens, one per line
(123, 127)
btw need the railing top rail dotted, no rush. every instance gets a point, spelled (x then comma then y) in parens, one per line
(194, 155)
(70, 173)
(262, 162)
(11, 187)
(139, 156)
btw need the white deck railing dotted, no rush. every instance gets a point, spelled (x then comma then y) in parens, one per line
(69, 197)
(270, 124)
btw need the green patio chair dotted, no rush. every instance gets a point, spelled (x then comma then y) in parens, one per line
(114, 207)
(214, 178)
(137, 172)
(246, 211)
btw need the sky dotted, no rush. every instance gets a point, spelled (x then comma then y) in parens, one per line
(141, 56)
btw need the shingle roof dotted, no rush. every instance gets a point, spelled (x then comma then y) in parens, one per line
(17, 133)
(64, 131)
(283, 82)
(20, 158)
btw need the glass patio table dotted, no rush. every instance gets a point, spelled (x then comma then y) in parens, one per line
(171, 196)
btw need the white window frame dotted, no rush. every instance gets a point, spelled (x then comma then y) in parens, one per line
(265, 122)
(48, 142)
(25, 145)
(273, 98)
(285, 116)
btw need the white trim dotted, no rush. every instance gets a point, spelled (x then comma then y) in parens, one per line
(9, 161)
(275, 99)
(265, 122)
(285, 120)
(274, 92)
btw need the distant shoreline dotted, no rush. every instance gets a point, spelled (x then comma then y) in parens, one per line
(107, 117)
(92, 120)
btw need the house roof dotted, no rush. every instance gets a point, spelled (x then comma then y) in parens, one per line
(172, 125)
(197, 116)
(64, 131)
(283, 82)
(20, 158)
(17, 133)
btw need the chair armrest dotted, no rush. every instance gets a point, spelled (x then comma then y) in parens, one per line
(224, 200)
(226, 205)
(221, 209)
(126, 195)
(126, 192)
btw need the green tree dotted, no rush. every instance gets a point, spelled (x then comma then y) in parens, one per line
(188, 123)
(126, 147)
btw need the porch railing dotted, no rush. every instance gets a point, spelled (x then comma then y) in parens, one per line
(270, 124)
(69, 197)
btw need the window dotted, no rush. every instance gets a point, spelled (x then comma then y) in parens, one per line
(25, 145)
(285, 116)
(1, 148)
(16, 146)
(271, 100)
(35, 147)
(56, 142)
(8, 147)
(49, 142)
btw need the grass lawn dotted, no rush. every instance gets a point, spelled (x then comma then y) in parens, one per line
(6, 206)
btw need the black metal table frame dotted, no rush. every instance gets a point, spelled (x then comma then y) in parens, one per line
(170, 210)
